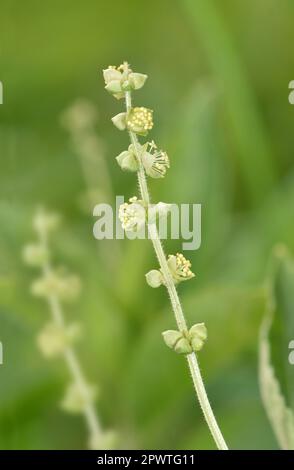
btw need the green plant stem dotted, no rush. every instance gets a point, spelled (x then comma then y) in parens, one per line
(174, 298)
(69, 354)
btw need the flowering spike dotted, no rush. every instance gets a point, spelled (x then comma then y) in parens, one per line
(174, 269)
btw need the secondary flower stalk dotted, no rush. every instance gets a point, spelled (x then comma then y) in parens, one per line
(175, 268)
(56, 338)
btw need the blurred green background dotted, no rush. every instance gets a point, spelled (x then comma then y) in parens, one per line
(218, 84)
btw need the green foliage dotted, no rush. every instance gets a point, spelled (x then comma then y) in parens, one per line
(220, 86)
(275, 368)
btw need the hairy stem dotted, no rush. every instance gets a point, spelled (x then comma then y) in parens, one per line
(69, 354)
(174, 298)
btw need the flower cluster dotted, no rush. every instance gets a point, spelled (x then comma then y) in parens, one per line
(120, 79)
(155, 161)
(185, 342)
(132, 215)
(179, 267)
(138, 120)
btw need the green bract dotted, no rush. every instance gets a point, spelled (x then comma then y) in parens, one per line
(127, 160)
(154, 278)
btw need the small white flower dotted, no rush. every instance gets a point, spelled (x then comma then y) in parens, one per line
(156, 162)
(132, 215)
(139, 120)
(180, 267)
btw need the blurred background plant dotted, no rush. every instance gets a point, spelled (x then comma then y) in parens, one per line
(57, 337)
(225, 75)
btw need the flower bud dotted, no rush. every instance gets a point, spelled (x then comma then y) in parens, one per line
(35, 254)
(139, 120)
(137, 80)
(179, 268)
(133, 215)
(120, 121)
(120, 79)
(113, 81)
(185, 342)
(127, 160)
(155, 161)
(154, 278)
(197, 335)
(178, 341)
(77, 397)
